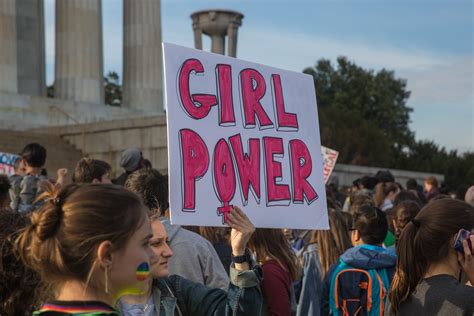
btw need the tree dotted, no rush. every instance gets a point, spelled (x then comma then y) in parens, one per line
(363, 108)
(363, 115)
(112, 89)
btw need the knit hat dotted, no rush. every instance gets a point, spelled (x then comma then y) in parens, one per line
(130, 159)
(469, 197)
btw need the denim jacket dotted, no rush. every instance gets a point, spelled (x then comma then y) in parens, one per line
(176, 295)
(311, 283)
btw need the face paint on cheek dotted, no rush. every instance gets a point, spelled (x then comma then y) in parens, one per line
(143, 271)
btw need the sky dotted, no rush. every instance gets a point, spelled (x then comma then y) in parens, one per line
(427, 42)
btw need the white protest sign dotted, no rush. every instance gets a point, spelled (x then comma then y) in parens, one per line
(243, 134)
(329, 158)
(7, 163)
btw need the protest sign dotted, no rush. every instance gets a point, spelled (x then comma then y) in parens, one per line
(329, 158)
(243, 134)
(7, 162)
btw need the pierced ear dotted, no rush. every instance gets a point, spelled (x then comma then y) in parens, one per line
(104, 253)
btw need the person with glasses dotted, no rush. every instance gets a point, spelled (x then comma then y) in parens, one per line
(359, 283)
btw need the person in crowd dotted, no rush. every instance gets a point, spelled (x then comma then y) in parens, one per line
(91, 244)
(403, 213)
(383, 176)
(25, 190)
(294, 239)
(219, 237)
(385, 193)
(21, 290)
(352, 191)
(431, 188)
(194, 257)
(407, 195)
(324, 249)
(280, 268)
(358, 199)
(4, 192)
(469, 197)
(176, 295)
(362, 278)
(131, 160)
(429, 267)
(90, 170)
(367, 183)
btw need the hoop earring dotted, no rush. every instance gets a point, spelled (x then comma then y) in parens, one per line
(107, 279)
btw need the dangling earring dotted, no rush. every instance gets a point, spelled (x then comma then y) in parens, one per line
(107, 279)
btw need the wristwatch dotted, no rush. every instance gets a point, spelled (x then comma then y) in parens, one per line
(246, 257)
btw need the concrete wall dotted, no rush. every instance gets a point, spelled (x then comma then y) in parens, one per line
(106, 140)
(345, 174)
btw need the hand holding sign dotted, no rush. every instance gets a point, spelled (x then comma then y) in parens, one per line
(242, 230)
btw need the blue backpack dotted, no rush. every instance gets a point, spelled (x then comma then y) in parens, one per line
(358, 291)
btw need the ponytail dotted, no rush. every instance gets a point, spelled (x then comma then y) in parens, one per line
(409, 272)
(425, 240)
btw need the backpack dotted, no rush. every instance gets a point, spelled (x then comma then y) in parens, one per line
(357, 291)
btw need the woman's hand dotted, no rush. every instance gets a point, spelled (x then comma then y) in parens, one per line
(466, 260)
(242, 230)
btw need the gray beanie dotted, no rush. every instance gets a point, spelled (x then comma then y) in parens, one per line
(130, 159)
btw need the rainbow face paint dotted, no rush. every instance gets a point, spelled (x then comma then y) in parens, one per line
(143, 271)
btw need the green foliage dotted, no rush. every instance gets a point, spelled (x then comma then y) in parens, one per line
(112, 89)
(363, 114)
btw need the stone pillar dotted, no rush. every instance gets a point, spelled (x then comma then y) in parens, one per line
(218, 44)
(232, 36)
(79, 70)
(217, 24)
(142, 56)
(30, 47)
(197, 34)
(8, 49)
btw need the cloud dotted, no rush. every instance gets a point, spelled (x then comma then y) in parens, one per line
(451, 83)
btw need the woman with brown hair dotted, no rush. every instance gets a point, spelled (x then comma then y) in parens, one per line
(280, 268)
(20, 287)
(385, 193)
(428, 266)
(324, 249)
(90, 243)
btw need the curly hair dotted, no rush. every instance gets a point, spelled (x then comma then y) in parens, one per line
(4, 187)
(152, 187)
(21, 290)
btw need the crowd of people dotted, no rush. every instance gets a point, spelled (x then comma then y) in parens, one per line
(104, 245)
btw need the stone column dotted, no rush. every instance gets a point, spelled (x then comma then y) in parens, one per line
(232, 36)
(8, 49)
(30, 47)
(218, 44)
(142, 56)
(197, 33)
(79, 71)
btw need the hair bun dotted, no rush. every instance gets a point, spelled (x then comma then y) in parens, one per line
(47, 221)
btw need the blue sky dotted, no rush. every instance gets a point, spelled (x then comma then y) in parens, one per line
(428, 42)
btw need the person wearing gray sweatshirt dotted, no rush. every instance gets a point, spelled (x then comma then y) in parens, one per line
(194, 257)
